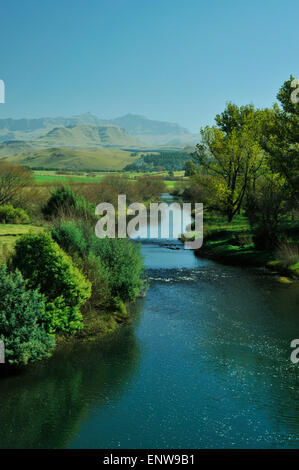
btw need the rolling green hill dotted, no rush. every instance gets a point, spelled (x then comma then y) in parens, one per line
(13, 147)
(87, 136)
(76, 159)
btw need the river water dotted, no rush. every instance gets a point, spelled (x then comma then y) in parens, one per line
(205, 364)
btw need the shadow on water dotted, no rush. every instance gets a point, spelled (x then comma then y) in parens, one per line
(43, 406)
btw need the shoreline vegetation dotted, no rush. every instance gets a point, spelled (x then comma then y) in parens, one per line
(232, 244)
(245, 171)
(59, 283)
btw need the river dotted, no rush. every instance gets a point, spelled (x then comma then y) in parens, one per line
(205, 364)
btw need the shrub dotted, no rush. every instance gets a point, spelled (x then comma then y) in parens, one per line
(22, 313)
(64, 202)
(76, 240)
(12, 215)
(48, 267)
(114, 266)
(70, 237)
(123, 259)
(13, 179)
(150, 187)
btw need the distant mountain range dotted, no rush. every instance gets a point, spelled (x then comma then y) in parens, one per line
(83, 141)
(147, 132)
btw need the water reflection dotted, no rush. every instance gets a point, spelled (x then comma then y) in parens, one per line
(44, 406)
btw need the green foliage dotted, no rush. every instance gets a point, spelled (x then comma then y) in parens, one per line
(70, 237)
(13, 215)
(264, 208)
(150, 188)
(231, 156)
(64, 202)
(189, 168)
(48, 267)
(169, 161)
(122, 257)
(281, 140)
(114, 266)
(22, 314)
(78, 240)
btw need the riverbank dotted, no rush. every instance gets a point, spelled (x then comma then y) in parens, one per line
(100, 316)
(232, 244)
(97, 324)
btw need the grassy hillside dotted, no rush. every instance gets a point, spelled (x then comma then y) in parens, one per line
(83, 159)
(13, 147)
(87, 136)
(78, 136)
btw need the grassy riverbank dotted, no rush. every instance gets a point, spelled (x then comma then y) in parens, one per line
(232, 243)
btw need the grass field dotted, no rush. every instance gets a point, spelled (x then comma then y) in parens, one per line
(98, 159)
(9, 234)
(50, 176)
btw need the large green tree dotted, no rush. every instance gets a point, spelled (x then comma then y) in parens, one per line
(281, 138)
(231, 154)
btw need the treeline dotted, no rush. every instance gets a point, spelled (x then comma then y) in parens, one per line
(164, 161)
(248, 162)
(69, 170)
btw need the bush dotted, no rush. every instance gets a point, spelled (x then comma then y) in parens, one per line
(125, 263)
(76, 239)
(114, 266)
(12, 215)
(70, 237)
(64, 202)
(22, 313)
(48, 267)
(150, 188)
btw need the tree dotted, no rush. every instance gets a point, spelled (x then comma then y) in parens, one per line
(49, 268)
(189, 168)
(64, 202)
(264, 209)
(13, 179)
(22, 312)
(231, 155)
(281, 139)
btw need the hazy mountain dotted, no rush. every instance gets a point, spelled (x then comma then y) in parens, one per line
(153, 132)
(87, 136)
(77, 136)
(147, 131)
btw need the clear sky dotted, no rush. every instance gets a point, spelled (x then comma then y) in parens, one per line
(174, 60)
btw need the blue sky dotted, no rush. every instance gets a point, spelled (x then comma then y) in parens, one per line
(174, 60)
